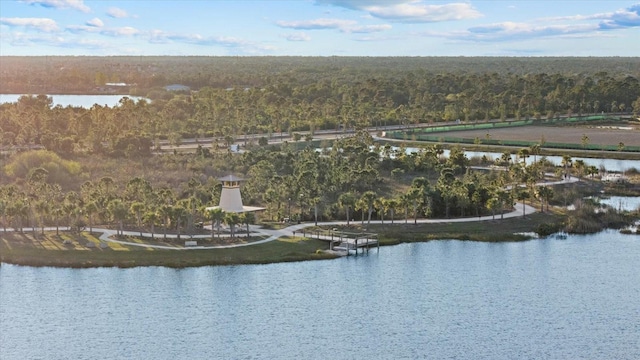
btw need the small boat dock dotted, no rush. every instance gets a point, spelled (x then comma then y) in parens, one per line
(345, 240)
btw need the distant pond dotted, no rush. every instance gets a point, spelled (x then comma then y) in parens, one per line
(85, 101)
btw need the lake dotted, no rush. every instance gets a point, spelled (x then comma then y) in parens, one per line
(615, 165)
(541, 299)
(85, 101)
(622, 203)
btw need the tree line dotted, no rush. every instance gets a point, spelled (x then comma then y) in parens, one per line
(293, 105)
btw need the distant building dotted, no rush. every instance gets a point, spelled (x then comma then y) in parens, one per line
(614, 178)
(177, 87)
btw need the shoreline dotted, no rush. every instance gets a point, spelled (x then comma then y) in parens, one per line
(285, 248)
(101, 249)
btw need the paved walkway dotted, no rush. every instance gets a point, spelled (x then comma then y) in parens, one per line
(272, 235)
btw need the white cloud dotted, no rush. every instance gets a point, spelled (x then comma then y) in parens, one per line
(61, 4)
(125, 31)
(516, 31)
(420, 13)
(298, 36)
(365, 29)
(346, 26)
(238, 45)
(121, 31)
(41, 24)
(22, 39)
(95, 22)
(409, 11)
(317, 24)
(360, 4)
(576, 26)
(115, 12)
(624, 18)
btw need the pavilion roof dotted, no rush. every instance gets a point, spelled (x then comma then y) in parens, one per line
(230, 178)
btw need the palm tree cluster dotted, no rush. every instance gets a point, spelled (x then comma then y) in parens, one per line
(138, 204)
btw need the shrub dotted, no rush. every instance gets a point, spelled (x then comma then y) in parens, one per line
(546, 229)
(59, 170)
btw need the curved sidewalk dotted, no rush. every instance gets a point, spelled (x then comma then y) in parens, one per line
(276, 234)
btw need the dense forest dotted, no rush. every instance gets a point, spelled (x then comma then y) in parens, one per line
(97, 165)
(235, 96)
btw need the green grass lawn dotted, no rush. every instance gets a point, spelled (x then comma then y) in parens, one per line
(50, 250)
(71, 250)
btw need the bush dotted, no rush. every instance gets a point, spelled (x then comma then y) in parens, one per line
(59, 170)
(546, 229)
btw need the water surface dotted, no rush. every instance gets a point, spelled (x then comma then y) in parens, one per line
(543, 299)
(85, 101)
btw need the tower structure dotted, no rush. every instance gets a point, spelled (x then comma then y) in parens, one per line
(230, 197)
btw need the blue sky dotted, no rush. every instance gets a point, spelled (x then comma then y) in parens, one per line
(320, 28)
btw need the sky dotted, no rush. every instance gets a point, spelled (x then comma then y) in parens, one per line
(320, 28)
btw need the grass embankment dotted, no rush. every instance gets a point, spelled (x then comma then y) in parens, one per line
(486, 231)
(50, 250)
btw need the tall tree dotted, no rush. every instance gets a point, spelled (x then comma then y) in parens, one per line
(347, 201)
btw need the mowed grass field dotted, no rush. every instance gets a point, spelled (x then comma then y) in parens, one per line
(72, 250)
(602, 135)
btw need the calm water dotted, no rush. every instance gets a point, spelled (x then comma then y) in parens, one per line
(627, 203)
(608, 164)
(542, 299)
(85, 101)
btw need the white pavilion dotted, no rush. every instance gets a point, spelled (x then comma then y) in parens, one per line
(230, 198)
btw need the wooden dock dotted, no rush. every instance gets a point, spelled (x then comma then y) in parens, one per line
(346, 241)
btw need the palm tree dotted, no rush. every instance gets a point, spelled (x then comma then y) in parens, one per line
(232, 219)
(580, 167)
(566, 162)
(392, 205)
(382, 204)
(165, 212)
(18, 210)
(178, 214)
(368, 199)
(523, 154)
(118, 211)
(151, 217)
(347, 201)
(534, 150)
(315, 202)
(42, 208)
(504, 197)
(404, 202)
(545, 193)
(523, 195)
(90, 209)
(413, 197)
(137, 209)
(492, 203)
(216, 215)
(248, 218)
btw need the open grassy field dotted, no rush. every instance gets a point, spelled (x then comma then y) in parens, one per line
(603, 135)
(71, 250)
